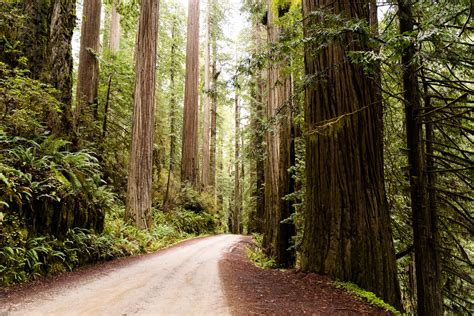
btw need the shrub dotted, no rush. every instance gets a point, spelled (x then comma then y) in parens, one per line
(194, 201)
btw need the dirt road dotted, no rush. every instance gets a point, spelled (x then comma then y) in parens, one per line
(183, 280)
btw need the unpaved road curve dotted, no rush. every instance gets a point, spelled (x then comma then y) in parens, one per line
(183, 280)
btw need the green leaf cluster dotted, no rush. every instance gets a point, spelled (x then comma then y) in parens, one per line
(366, 296)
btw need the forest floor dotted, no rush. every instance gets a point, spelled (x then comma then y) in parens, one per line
(251, 290)
(203, 276)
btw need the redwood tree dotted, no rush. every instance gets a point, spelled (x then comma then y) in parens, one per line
(347, 224)
(207, 104)
(46, 40)
(114, 39)
(427, 262)
(189, 162)
(140, 176)
(173, 108)
(272, 199)
(88, 71)
(260, 103)
(213, 141)
(237, 171)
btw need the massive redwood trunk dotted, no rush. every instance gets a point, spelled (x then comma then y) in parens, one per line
(278, 183)
(272, 198)
(347, 225)
(140, 175)
(46, 40)
(58, 68)
(88, 71)
(189, 162)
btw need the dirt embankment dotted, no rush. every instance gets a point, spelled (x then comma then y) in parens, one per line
(253, 291)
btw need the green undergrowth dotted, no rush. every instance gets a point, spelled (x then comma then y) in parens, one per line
(257, 255)
(24, 258)
(367, 296)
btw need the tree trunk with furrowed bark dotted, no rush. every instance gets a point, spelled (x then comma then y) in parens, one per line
(347, 224)
(189, 162)
(140, 175)
(88, 71)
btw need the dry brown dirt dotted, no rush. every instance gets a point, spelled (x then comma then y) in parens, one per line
(253, 291)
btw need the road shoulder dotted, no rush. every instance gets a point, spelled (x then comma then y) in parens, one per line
(253, 291)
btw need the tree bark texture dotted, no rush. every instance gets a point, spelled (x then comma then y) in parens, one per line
(261, 105)
(347, 225)
(284, 257)
(237, 171)
(428, 285)
(259, 145)
(60, 61)
(173, 110)
(213, 147)
(207, 104)
(35, 34)
(140, 175)
(47, 43)
(278, 147)
(272, 198)
(114, 40)
(189, 162)
(88, 71)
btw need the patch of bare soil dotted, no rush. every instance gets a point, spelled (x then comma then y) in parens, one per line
(254, 291)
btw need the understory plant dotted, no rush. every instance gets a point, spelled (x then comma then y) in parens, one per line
(24, 258)
(367, 296)
(257, 255)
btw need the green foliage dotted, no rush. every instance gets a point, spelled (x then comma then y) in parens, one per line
(43, 183)
(41, 179)
(195, 201)
(444, 57)
(28, 106)
(188, 222)
(11, 21)
(370, 297)
(257, 255)
(24, 258)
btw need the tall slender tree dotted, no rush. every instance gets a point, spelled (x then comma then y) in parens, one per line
(427, 262)
(114, 39)
(189, 162)
(140, 176)
(347, 225)
(272, 202)
(88, 71)
(214, 94)
(284, 254)
(236, 214)
(173, 108)
(259, 138)
(207, 103)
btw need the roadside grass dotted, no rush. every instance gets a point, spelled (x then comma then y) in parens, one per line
(366, 296)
